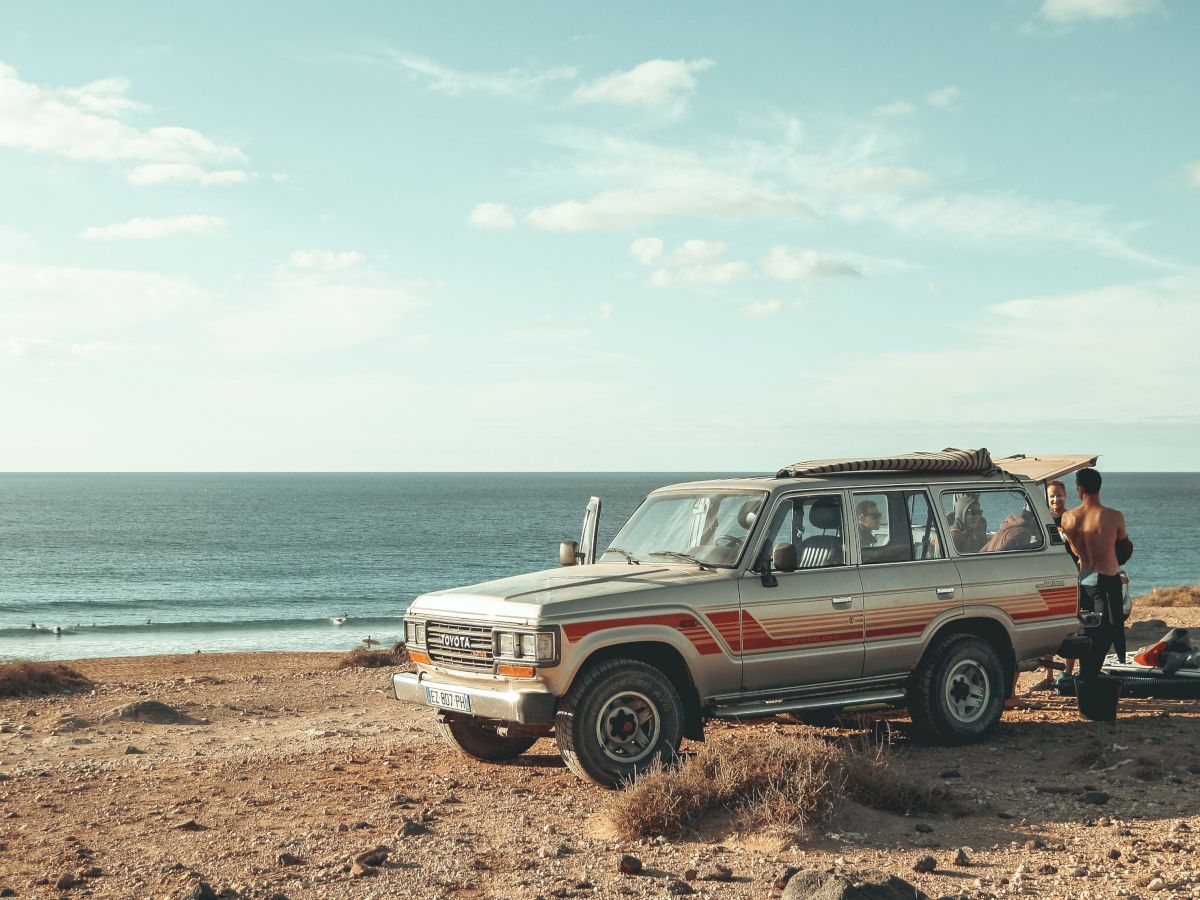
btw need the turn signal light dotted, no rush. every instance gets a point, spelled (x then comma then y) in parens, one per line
(418, 656)
(515, 671)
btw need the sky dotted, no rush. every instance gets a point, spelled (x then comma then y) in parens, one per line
(608, 237)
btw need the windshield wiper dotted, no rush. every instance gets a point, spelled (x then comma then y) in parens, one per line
(625, 553)
(673, 554)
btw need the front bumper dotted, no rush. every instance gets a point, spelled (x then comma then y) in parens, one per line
(529, 707)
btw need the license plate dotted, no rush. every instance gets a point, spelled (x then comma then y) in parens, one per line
(447, 699)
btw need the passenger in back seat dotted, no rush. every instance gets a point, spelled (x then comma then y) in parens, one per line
(969, 529)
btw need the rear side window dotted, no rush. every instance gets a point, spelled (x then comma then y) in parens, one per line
(896, 526)
(1000, 521)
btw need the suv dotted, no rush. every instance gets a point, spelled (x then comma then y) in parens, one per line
(920, 581)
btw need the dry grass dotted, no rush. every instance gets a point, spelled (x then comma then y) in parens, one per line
(1184, 595)
(366, 658)
(35, 679)
(786, 783)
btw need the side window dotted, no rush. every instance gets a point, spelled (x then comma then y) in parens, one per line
(812, 527)
(991, 521)
(896, 526)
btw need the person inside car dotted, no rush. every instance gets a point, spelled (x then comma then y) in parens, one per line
(969, 530)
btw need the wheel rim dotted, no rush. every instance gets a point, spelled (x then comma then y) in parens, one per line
(628, 727)
(968, 690)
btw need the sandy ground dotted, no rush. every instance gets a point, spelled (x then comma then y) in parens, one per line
(292, 768)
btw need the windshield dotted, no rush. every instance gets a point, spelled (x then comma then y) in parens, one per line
(706, 528)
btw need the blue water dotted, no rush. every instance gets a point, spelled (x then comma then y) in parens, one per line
(169, 563)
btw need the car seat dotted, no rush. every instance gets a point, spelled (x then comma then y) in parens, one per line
(823, 549)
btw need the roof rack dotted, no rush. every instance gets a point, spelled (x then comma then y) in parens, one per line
(974, 462)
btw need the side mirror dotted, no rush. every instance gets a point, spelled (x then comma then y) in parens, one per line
(568, 553)
(783, 557)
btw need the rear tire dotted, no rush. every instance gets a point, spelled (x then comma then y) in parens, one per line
(617, 720)
(956, 695)
(482, 741)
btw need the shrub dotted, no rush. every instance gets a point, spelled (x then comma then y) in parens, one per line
(366, 658)
(36, 679)
(783, 782)
(1184, 595)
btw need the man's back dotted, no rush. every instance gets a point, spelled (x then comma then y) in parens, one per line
(1093, 531)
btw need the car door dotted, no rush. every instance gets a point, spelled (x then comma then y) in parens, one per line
(908, 580)
(1000, 551)
(802, 625)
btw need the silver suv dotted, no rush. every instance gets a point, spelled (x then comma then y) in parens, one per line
(920, 581)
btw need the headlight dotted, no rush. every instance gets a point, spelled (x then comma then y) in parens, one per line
(529, 646)
(534, 646)
(414, 632)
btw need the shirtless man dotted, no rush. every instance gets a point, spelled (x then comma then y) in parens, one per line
(1092, 531)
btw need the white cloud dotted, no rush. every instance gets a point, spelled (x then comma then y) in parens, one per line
(546, 335)
(786, 264)
(491, 215)
(1191, 175)
(45, 348)
(147, 229)
(515, 82)
(82, 124)
(697, 251)
(606, 311)
(325, 260)
(627, 208)
(105, 97)
(60, 309)
(896, 110)
(657, 83)
(881, 179)
(1044, 347)
(316, 305)
(184, 173)
(693, 262)
(942, 97)
(1004, 215)
(701, 273)
(761, 309)
(646, 250)
(1077, 10)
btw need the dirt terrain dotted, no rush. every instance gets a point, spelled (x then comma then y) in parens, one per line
(287, 769)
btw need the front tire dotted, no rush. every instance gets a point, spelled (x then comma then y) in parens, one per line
(483, 742)
(618, 719)
(956, 696)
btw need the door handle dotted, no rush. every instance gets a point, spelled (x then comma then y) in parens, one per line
(842, 602)
(945, 592)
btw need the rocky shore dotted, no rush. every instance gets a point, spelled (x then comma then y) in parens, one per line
(277, 775)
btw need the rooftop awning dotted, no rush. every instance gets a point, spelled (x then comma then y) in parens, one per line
(950, 460)
(1044, 468)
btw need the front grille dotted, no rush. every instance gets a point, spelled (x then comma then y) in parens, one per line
(476, 655)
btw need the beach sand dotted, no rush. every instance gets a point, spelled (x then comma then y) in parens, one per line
(292, 768)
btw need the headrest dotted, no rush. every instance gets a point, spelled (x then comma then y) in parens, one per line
(826, 514)
(748, 513)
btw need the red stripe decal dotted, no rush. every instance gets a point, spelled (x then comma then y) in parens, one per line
(686, 625)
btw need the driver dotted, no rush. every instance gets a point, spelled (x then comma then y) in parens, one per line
(868, 516)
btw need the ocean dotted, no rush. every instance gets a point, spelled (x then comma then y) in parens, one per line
(129, 564)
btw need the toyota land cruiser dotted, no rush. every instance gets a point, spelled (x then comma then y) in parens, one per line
(916, 581)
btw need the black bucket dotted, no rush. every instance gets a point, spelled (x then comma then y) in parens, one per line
(1098, 697)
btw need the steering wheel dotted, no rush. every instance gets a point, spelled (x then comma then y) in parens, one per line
(729, 542)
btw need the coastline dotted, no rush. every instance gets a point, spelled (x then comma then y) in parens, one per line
(287, 769)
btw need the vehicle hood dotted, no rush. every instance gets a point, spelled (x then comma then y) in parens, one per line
(525, 597)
